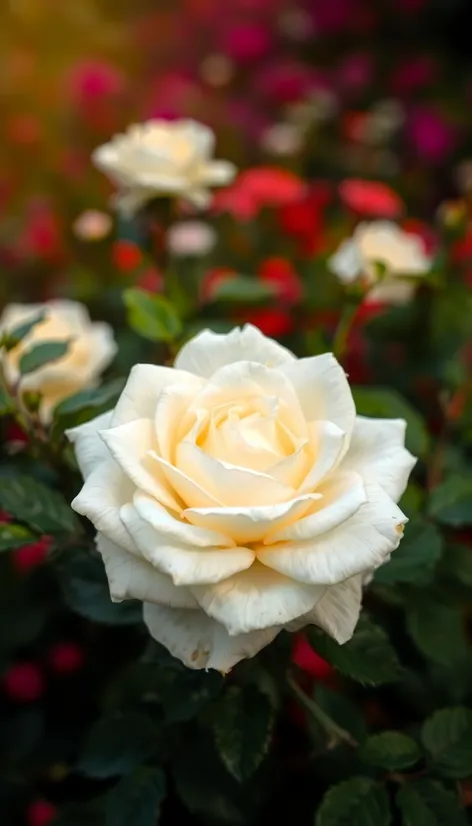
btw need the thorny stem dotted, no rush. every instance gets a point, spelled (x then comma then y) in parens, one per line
(326, 722)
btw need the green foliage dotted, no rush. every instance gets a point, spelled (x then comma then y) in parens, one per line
(428, 803)
(437, 629)
(242, 289)
(34, 503)
(14, 536)
(242, 730)
(451, 501)
(390, 750)
(152, 316)
(136, 799)
(42, 354)
(415, 559)
(18, 333)
(87, 404)
(381, 402)
(447, 738)
(368, 657)
(117, 744)
(359, 801)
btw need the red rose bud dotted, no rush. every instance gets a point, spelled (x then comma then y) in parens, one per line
(370, 198)
(126, 256)
(280, 273)
(66, 657)
(40, 813)
(30, 556)
(309, 661)
(273, 323)
(24, 682)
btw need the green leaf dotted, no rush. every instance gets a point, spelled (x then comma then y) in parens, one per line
(390, 750)
(41, 508)
(42, 354)
(242, 730)
(14, 336)
(14, 536)
(415, 558)
(359, 801)
(381, 402)
(205, 787)
(367, 658)
(342, 710)
(152, 316)
(117, 744)
(244, 289)
(85, 590)
(189, 692)
(87, 404)
(428, 803)
(458, 563)
(437, 630)
(137, 799)
(451, 502)
(6, 403)
(447, 737)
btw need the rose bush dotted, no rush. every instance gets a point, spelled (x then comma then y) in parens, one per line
(238, 494)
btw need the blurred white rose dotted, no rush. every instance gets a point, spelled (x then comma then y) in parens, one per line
(384, 242)
(192, 238)
(282, 139)
(92, 347)
(238, 494)
(92, 225)
(163, 158)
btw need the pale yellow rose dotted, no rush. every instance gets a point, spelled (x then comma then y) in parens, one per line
(91, 349)
(161, 158)
(238, 494)
(384, 242)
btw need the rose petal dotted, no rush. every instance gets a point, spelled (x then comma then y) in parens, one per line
(89, 447)
(377, 451)
(143, 388)
(184, 564)
(328, 443)
(323, 390)
(133, 578)
(359, 544)
(250, 524)
(200, 642)
(105, 490)
(338, 610)
(187, 489)
(176, 529)
(103, 347)
(130, 445)
(255, 599)
(342, 494)
(209, 351)
(218, 173)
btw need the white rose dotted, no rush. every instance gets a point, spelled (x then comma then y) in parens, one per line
(237, 494)
(92, 347)
(382, 241)
(161, 158)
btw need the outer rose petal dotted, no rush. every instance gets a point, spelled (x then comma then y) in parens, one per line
(250, 524)
(200, 642)
(103, 494)
(338, 611)
(255, 599)
(323, 390)
(184, 564)
(133, 578)
(209, 351)
(328, 442)
(177, 529)
(89, 447)
(360, 543)
(377, 451)
(103, 347)
(143, 388)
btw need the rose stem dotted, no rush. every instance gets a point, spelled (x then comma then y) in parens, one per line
(320, 716)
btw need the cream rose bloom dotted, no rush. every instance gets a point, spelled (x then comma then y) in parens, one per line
(92, 347)
(161, 158)
(382, 241)
(238, 494)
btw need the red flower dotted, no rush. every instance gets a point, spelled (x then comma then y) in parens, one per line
(24, 682)
(126, 256)
(40, 813)
(308, 660)
(272, 322)
(280, 273)
(65, 657)
(263, 186)
(370, 198)
(30, 556)
(462, 249)
(303, 219)
(152, 280)
(416, 227)
(213, 278)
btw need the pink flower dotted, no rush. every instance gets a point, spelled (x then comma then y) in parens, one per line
(259, 187)
(355, 72)
(65, 657)
(24, 682)
(413, 74)
(284, 82)
(40, 813)
(308, 660)
(431, 135)
(246, 42)
(93, 80)
(370, 198)
(31, 556)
